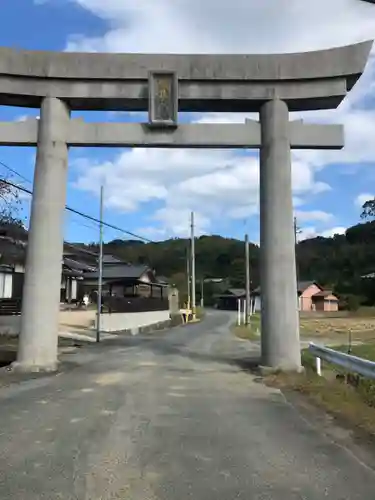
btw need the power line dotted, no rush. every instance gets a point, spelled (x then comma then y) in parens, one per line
(15, 172)
(80, 223)
(77, 212)
(29, 181)
(81, 214)
(75, 247)
(111, 226)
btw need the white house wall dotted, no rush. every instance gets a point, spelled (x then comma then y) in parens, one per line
(74, 289)
(8, 286)
(257, 304)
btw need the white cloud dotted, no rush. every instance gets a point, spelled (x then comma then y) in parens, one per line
(152, 233)
(329, 233)
(311, 232)
(317, 215)
(226, 26)
(23, 118)
(223, 184)
(362, 198)
(217, 185)
(178, 221)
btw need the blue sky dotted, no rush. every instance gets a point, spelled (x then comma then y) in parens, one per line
(151, 192)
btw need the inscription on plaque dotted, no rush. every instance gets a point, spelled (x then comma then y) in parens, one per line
(163, 99)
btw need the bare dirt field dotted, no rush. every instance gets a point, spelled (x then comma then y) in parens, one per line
(339, 326)
(336, 327)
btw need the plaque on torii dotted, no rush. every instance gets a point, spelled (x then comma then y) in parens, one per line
(163, 99)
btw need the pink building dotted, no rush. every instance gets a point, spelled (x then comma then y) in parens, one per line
(311, 297)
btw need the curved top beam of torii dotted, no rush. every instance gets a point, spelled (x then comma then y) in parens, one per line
(215, 83)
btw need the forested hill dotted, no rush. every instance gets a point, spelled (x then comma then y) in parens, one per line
(336, 262)
(215, 256)
(339, 262)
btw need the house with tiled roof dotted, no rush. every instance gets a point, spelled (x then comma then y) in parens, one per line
(13, 250)
(122, 280)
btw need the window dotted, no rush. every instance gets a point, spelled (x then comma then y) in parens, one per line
(5, 285)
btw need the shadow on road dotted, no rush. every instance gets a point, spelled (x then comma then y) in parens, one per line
(249, 363)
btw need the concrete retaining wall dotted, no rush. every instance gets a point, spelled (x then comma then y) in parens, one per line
(69, 321)
(81, 321)
(117, 322)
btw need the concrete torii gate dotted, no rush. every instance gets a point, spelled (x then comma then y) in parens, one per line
(272, 85)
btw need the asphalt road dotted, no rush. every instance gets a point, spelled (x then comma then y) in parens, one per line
(171, 416)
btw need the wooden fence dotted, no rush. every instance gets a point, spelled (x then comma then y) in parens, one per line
(10, 307)
(133, 304)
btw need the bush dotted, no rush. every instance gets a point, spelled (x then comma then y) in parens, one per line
(199, 311)
(350, 303)
(176, 320)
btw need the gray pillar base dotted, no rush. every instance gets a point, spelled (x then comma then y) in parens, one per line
(265, 371)
(18, 367)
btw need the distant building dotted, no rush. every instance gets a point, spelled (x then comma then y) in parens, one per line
(229, 299)
(311, 297)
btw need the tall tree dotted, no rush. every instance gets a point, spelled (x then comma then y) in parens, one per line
(368, 209)
(10, 204)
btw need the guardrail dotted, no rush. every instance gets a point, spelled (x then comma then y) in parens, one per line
(350, 363)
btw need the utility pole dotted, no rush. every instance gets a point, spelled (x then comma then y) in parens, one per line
(100, 281)
(193, 305)
(247, 258)
(188, 256)
(296, 232)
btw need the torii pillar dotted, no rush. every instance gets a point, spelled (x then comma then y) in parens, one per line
(280, 315)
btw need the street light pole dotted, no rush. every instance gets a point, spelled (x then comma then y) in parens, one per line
(100, 281)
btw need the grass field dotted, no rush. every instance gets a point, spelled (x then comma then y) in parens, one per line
(248, 332)
(354, 405)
